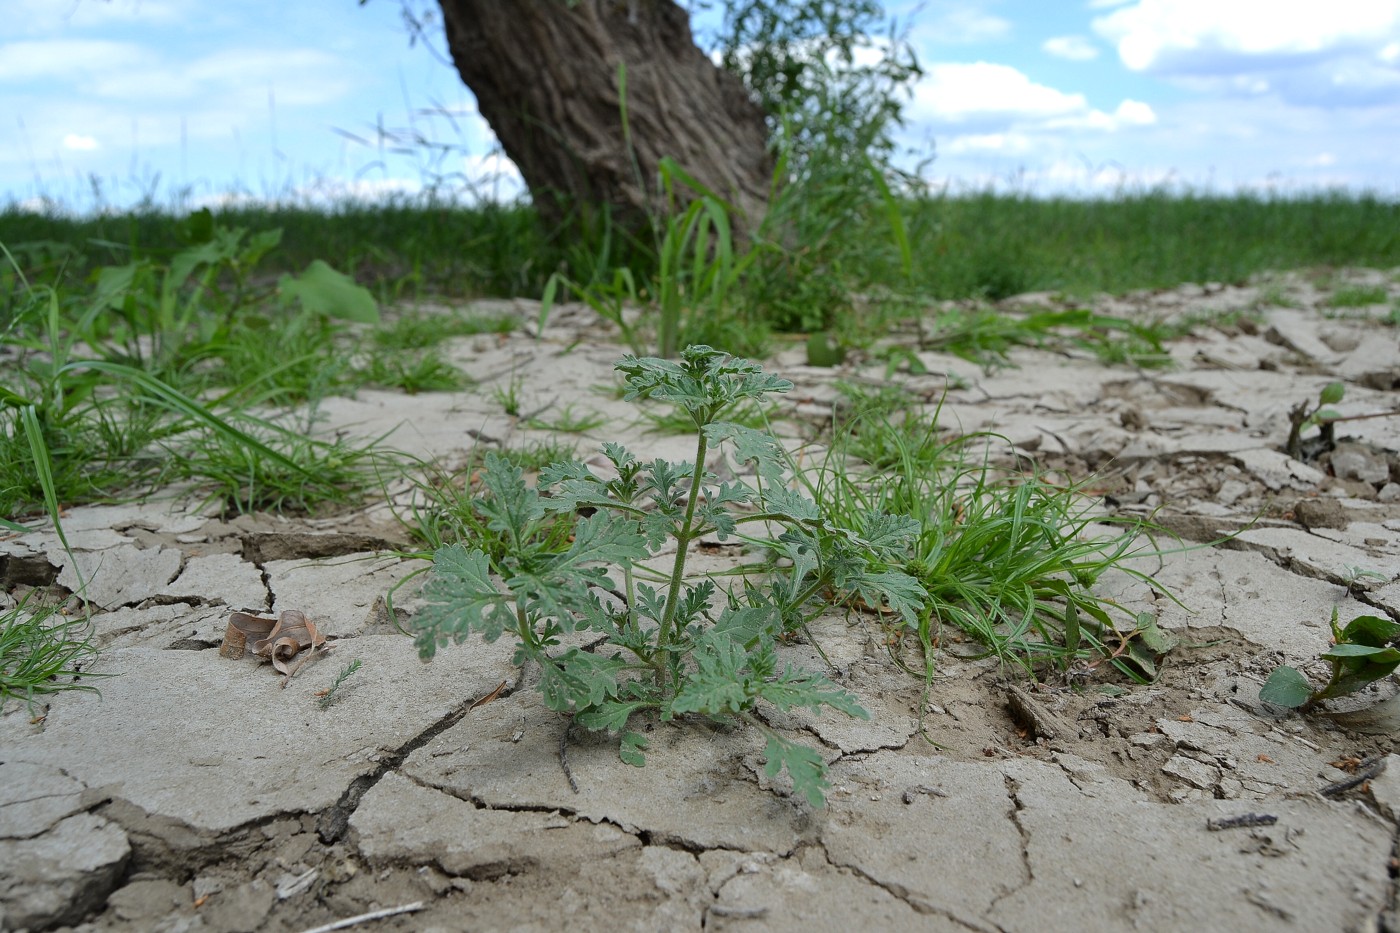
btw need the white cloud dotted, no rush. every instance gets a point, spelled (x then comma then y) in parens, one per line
(1195, 35)
(1073, 48)
(45, 17)
(1336, 54)
(1135, 113)
(79, 143)
(957, 23)
(981, 101)
(298, 77)
(996, 143)
(959, 93)
(63, 58)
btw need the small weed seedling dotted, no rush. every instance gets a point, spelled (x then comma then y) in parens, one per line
(329, 696)
(508, 396)
(1363, 651)
(682, 649)
(1303, 418)
(568, 421)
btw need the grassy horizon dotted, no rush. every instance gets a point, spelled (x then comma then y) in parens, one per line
(980, 245)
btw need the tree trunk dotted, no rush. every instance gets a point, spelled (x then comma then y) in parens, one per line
(545, 76)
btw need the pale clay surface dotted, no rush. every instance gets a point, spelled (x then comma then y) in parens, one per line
(197, 795)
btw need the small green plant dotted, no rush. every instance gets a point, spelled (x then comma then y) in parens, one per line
(1008, 558)
(423, 371)
(1303, 418)
(1363, 651)
(681, 649)
(566, 421)
(695, 291)
(273, 468)
(508, 396)
(1275, 295)
(985, 336)
(42, 651)
(1358, 296)
(423, 331)
(330, 695)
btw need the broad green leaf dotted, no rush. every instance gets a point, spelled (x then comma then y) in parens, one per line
(1332, 393)
(611, 715)
(800, 547)
(509, 505)
(1355, 674)
(901, 592)
(1371, 655)
(1371, 630)
(459, 598)
(719, 685)
(323, 290)
(577, 680)
(823, 351)
(1286, 687)
(113, 284)
(804, 766)
(747, 624)
(889, 535)
(758, 447)
(631, 747)
(794, 688)
(1152, 636)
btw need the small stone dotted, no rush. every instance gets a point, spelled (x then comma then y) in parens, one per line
(1385, 788)
(1358, 462)
(240, 910)
(1147, 739)
(148, 901)
(1196, 773)
(1390, 492)
(63, 875)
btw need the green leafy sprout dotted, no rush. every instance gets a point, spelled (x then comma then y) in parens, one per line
(329, 697)
(1363, 651)
(1304, 418)
(681, 648)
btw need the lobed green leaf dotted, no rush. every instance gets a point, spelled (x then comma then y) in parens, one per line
(460, 598)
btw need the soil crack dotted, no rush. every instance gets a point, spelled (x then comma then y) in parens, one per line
(333, 821)
(1013, 793)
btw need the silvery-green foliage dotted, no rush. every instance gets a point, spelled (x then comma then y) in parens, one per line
(684, 648)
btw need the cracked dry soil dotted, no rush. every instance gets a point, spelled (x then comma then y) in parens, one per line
(195, 794)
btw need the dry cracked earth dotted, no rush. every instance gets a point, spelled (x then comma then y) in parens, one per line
(197, 794)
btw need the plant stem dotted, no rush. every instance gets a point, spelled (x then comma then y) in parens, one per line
(683, 536)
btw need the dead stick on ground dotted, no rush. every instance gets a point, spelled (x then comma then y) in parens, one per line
(564, 754)
(366, 918)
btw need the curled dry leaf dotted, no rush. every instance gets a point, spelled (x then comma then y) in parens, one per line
(279, 640)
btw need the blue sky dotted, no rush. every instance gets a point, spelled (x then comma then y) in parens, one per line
(202, 101)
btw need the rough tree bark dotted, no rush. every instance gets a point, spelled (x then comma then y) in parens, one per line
(545, 76)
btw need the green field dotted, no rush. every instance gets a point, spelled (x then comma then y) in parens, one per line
(968, 246)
